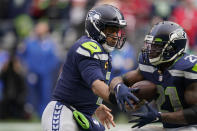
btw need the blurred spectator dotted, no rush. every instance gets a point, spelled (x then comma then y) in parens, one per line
(140, 9)
(39, 54)
(4, 58)
(14, 90)
(52, 9)
(23, 25)
(124, 60)
(185, 14)
(162, 8)
(75, 25)
(9, 9)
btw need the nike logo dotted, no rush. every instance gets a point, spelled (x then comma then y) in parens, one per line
(118, 87)
(95, 47)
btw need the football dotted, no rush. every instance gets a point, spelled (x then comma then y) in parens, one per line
(147, 89)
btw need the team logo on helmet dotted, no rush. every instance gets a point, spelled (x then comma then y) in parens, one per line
(177, 35)
(93, 15)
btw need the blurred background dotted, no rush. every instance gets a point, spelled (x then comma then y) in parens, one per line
(35, 36)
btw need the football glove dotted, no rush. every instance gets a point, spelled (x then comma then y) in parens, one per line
(151, 116)
(124, 94)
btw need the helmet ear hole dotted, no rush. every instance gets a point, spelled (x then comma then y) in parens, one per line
(169, 52)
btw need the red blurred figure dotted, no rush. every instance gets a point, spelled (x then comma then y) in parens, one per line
(185, 15)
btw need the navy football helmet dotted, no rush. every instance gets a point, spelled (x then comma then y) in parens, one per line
(104, 16)
(165, 41)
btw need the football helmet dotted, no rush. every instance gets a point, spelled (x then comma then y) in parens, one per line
(101, 17)
(165, 41)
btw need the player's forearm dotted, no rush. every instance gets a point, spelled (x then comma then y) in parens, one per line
(101, 89)
(173, 117)
(132, 77)
(128, 79)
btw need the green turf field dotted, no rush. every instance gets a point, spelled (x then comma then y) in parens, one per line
(22, 126)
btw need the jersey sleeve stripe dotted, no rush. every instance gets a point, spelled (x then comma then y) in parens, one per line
(83, 52)
(146, 68)
(185, 74)
(101, 56)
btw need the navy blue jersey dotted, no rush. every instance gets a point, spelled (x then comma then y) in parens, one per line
(171, 84)
(86, 62)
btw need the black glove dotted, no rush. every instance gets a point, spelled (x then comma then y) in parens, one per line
(123, 93)
(151, 116)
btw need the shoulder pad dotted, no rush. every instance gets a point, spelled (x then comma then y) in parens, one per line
(187, 62)
(193, 62)
(185, 66)
(92, 47)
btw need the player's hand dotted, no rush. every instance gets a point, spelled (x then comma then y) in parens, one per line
(104, 116)
(136, 105)
(124, 94)
(151, 116)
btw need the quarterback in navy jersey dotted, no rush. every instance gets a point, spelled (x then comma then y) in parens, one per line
(164, 62)
(83, 82)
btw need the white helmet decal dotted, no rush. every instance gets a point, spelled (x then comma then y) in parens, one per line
(93, 15)
(177, 35)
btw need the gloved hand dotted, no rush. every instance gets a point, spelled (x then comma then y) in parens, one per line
(151, 116)
(124, 94)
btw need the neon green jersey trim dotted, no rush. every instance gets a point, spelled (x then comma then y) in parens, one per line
(194, 68)
(92, 47)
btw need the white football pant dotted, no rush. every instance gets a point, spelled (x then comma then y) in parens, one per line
(58, 118)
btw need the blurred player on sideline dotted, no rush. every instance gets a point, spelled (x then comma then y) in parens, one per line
(83, 82)
(164, 62)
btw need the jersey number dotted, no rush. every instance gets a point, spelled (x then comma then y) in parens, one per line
(173, 96)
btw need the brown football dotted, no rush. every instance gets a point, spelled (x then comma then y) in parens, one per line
(147, 90)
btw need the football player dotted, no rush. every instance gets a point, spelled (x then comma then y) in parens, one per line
(164, 62)
(83, 81)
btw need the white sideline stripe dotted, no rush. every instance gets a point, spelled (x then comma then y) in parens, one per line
(146, 68)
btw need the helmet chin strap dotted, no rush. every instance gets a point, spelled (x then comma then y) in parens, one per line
(108, 48)
(158, 60)
(155, 61)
